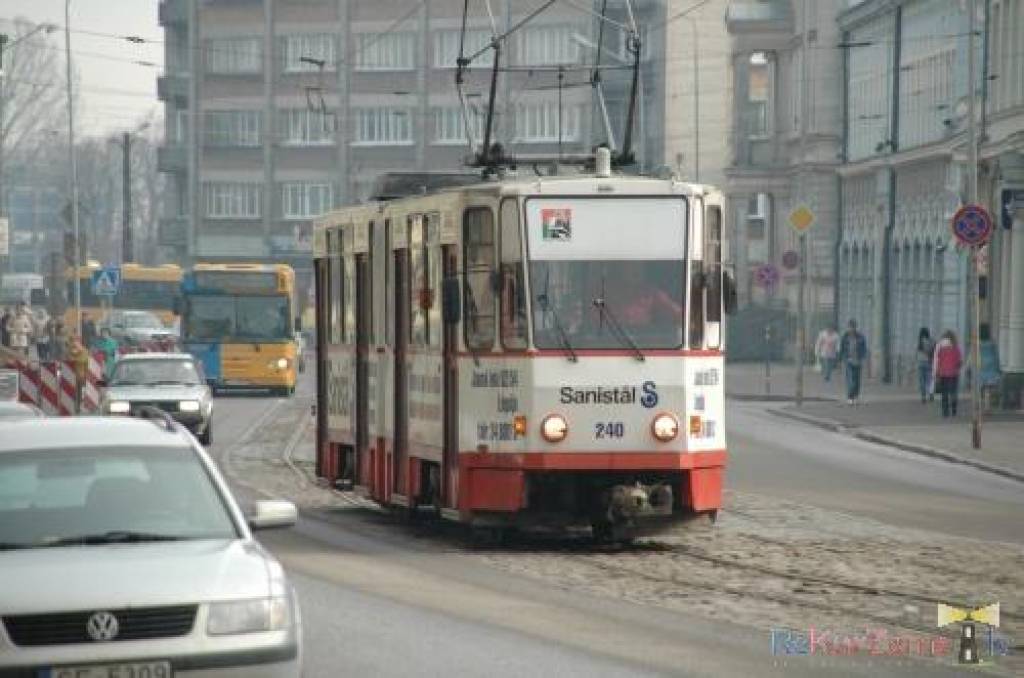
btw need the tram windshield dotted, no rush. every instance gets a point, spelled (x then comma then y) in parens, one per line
(607, 273)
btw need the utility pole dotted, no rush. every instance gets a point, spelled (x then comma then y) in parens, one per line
(801, 312)
(972, 198)
(127, 254)
(73, 159)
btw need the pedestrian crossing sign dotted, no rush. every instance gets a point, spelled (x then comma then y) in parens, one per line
(106, 282)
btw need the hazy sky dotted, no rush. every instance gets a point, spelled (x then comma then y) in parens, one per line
(115, 93)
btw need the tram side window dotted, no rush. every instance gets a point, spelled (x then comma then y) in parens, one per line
(433, 284)
(478, 240)
(335, 285)
(697, 278)
(420, 287)
(513, 288)
(348, 312)
(713, 259)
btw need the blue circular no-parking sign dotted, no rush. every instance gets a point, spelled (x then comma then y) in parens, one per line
(972, 225)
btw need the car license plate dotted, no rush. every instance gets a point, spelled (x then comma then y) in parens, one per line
(137, 670)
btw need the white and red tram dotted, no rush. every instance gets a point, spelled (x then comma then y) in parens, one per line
(527, 351)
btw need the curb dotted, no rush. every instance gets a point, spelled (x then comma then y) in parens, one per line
(870, 436)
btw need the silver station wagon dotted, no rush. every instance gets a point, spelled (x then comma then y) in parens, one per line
(124, 555)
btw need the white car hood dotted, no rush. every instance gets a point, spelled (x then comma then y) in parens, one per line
(113, 576)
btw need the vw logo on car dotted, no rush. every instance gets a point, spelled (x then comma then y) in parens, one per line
(102, 626)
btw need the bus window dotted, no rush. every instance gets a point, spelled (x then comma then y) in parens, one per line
(697, 276)
(513, 290)
(478, 241)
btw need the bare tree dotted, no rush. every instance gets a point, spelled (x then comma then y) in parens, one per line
(32, 88)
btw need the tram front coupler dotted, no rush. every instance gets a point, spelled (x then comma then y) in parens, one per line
(628, 503)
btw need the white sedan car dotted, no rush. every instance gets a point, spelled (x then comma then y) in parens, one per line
(124, 555)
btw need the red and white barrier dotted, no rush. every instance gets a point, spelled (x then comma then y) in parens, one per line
(51, 386)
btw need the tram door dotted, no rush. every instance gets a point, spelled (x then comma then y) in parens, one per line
(322, 314)
(400, 323)
(450, 386)
(363, 297)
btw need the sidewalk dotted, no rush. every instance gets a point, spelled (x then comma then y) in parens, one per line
(889, 414)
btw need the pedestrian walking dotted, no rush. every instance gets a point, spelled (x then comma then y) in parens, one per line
(925, 355)
(89, 334)
(826, 348)
(42, 336)
(946, 367)
(19, 329)
(853, 351)
(108, 346)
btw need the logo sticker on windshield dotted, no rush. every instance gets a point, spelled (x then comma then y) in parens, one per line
(556, 224)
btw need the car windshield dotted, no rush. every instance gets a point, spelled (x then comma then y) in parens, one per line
(246, 317)
(585, 299)
(102, 494)
(134, 372)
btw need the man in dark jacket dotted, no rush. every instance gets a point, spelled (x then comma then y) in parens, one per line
(853, 352)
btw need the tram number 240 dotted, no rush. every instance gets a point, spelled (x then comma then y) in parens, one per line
(609, 429)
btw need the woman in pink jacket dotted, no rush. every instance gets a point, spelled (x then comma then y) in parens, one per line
(946, 370)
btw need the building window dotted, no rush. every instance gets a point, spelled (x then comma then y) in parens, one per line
(548, 45)
(385, 51)
(234, 55)
(305, 127)
(232, 128)
(450, 125)
(446, 47)
(302, 200)
(760, 84)
(383, 126)
(233, 200)
(539, 123)
(316, 46)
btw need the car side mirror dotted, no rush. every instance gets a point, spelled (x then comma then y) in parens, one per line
(269, 514)
(451, 300)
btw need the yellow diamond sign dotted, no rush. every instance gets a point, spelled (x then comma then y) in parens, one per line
(801, 218)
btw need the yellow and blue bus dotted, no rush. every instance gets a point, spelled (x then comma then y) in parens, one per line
(238, 320)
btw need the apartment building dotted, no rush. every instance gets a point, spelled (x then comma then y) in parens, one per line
(279, 110)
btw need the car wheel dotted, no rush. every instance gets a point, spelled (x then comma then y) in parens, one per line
(206, 437)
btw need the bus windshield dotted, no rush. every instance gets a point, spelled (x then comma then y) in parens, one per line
(242, 317)
(607, 273)
(591, 300)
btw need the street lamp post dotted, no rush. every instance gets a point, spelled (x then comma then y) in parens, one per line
(972, 198)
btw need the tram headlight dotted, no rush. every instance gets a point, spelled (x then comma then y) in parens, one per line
(665, 427)
(554, 428)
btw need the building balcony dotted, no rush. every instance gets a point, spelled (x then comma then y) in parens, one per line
(172, 231)
(173, 12)
(756, 16)
(171, 159)
(172, 89)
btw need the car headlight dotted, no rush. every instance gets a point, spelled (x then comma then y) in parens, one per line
(188, 406)
(119, 407)
(554, 428)
(248, 616)
(665, 427)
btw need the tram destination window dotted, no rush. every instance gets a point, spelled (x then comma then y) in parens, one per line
(513, 280)
(478, 240)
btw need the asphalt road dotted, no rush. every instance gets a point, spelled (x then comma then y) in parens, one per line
(378, 601)
(785, 459)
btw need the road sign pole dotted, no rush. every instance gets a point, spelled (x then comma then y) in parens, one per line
(801, 331)
(972, 173)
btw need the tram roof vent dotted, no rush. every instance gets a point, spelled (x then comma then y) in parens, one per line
(394, 185)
